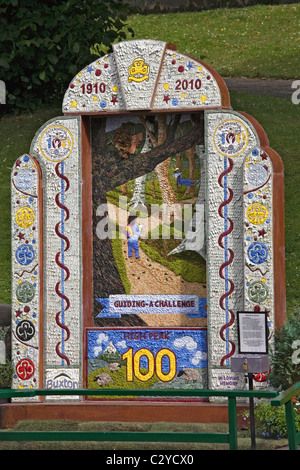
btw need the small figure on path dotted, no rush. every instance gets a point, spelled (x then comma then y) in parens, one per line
(133, 232)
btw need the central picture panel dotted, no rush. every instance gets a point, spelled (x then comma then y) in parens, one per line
(149, 271)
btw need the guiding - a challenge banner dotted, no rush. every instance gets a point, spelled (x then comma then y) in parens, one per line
(117, 305)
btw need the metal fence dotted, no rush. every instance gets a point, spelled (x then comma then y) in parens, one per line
(286, 399)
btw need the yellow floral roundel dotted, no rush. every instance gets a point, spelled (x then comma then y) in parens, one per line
(24, 217)
(257, 213)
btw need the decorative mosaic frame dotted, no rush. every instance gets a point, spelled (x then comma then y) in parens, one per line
(49, 311)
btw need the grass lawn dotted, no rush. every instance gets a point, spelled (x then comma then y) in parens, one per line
(244, 441)
(260, 41)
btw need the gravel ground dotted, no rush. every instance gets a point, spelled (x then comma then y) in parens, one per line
(276, 88)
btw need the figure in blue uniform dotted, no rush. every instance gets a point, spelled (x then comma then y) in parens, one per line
(133, 232)
(177, 175)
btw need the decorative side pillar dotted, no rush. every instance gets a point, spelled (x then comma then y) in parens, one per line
(57, 147)
(229, 137)
(258, 234)
(26, 231)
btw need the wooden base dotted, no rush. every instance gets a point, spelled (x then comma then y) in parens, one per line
(123, 411)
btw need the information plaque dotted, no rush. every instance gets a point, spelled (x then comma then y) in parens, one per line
(252, 332)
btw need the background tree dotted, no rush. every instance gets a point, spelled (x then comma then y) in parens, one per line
(162, 169)
(45, 43)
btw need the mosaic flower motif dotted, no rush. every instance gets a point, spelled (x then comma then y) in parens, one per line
(257, 213)
(24, 180)
(258, 292)
(25, 292)
(24, 217)
(25, 255)
(257, 175)
(25, 369)
(25, 330)
(257, 253)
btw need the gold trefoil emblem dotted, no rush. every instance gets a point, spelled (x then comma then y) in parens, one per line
(138, 71)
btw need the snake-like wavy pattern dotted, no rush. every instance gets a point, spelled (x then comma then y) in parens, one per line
(227, 263)
(60, 264)
(257, 269)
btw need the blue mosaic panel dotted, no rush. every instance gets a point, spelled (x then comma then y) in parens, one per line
(147, 358)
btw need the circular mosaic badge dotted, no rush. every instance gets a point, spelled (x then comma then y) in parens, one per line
(230, 138)
(56, 143)
(257, 213)
(25, 330)
(25, 292)
(25, 254)
(257, 253)
(24, 217)
(25, 369)
(24, 180)
(257, 175)
(258, 292)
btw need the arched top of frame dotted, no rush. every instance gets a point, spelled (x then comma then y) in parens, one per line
(145, 75)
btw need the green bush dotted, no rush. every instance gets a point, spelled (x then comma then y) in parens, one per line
(45, 43)
(6, 373)
(285, 370)
(270, 421)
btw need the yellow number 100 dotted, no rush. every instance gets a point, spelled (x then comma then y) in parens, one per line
(154, 364)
